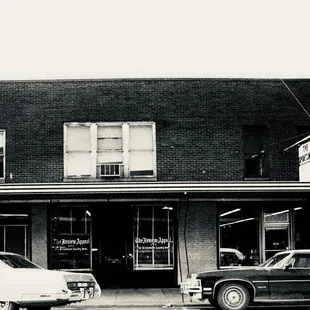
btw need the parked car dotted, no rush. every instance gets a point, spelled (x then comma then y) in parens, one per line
(231, 257)
(284, 278)
(24, 284)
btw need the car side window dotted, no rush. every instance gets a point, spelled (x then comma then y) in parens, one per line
(301, 261)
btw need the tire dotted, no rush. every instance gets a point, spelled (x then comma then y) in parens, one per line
(8, 305)
(213, 303)
(233, 296)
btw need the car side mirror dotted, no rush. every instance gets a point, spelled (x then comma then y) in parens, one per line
(287, 266)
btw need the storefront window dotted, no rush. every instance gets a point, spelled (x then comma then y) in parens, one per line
(302, 229)
(14, 231)
(153, 238)
(71, 238)
(236, 222)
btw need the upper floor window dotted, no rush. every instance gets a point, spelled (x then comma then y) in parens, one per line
(109, 150)
(2, 154)
(254, 151)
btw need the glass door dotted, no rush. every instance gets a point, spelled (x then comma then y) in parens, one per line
(277, 230)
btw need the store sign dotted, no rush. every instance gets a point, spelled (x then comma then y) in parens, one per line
(71, 244)
(304, 162)
(150, 243)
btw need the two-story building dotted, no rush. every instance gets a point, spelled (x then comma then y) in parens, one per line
(143, 181)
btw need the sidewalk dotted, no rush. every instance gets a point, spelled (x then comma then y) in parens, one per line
(132, 297)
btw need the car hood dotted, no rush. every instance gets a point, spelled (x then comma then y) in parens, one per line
(230, 272)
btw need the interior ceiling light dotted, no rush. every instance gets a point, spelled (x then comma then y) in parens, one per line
(230, 212)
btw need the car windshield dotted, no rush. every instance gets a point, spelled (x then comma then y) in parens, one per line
(17, 261)
(275, 261)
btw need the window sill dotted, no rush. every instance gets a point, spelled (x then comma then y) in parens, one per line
(107, 180)
(257, 179)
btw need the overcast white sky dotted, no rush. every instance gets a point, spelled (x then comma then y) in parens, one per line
(47, 39)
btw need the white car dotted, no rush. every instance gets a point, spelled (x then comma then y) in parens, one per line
(24, 284)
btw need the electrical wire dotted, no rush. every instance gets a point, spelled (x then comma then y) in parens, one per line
(296, 98)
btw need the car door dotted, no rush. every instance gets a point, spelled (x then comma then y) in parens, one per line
(292, 282)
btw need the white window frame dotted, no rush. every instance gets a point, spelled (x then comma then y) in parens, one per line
(2, 131)
(125, 136)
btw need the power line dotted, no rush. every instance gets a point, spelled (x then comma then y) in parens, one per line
(296, 98)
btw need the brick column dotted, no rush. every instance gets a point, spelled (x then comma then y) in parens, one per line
(39, 235)
(197, 233)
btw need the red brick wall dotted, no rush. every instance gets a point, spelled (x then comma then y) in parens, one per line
(198, 123)
(197, 238)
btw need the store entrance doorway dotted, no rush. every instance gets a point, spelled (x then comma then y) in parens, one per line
(112, 245)
(277, 230)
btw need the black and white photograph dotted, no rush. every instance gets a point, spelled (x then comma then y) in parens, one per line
(154, 154)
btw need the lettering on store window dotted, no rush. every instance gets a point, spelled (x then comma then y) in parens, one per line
(153, 243)
(78, 244)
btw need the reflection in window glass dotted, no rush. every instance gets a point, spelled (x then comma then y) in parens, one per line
(236, 222)
(302, 228)
(153, 242)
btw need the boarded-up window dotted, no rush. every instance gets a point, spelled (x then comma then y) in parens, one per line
(141, 150)
(110, 150)
(78, 151)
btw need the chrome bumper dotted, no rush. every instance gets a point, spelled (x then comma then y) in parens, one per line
(86, 293)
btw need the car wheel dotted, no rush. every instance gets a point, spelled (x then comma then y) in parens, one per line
(233, 296)
(213, 303)
(8, 305)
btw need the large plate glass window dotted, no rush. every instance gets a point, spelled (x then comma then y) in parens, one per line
(14, 231)
(110, 150)
(71, 238)
(2, 154)
(153, 237)
(301, 214)
(236, 221)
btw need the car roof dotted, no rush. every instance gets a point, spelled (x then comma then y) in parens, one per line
(295, 251)
(228, 250)
(10, 253)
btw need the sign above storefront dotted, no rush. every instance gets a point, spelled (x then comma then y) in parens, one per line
(304, 162)
(303, 158)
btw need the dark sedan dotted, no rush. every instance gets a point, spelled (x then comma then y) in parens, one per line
(283, 279)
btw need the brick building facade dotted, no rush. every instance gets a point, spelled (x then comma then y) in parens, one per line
(215, 146)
